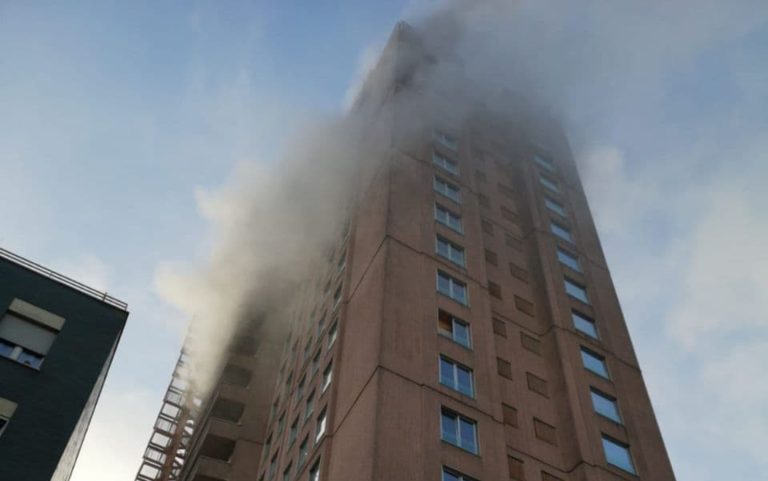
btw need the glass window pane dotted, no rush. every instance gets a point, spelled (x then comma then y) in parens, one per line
(576, 291)
(468, 440)
(583, 324)
(568, 260)
(461, 333)
(549, 184)
(594, 363)
(449, 428)
(605, 406)
(618, 455)
(464, 378)
(449, 476)
(446, 372)
(561, 231)
(554, 206)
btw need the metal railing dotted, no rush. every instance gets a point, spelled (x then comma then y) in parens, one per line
(62, 279)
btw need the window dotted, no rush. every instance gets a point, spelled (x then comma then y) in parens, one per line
(480, 176)
(545, 432)
(287, 473)
(484, 201)
(516, 470)
(456, 376)
(448, 218)
(530, 343)
(458, 430)
(450, 251)
(445, 163)
(314, 471)
(293, 432)
(303, 452)
(568, 259)
(605, 405)
(342, 262)
(491, 257)
(504, 368)
(453, 288)
(549, 183)
(453, 328)
(561, 231)
(229, 410)
(537, 384)
(236, 375)
(27, 341)
(267, 447)
(447, 189)
(617, 454)
(321, 425)
(316, 363)
(336, 297)
(544, 162)
(310, 406)
(554, 206)
(7, 408)
(452, 475)
(272, 467)
(332, 332)
(509, 215)
(594, 362)
(509, 415)
(327, 377)
(444, 139)
(584, 324)
(577, 291)
(300, 388)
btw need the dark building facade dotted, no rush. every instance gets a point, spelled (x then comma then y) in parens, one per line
(466, 327)
(57, 340)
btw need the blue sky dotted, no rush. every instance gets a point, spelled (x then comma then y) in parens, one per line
(115, 114)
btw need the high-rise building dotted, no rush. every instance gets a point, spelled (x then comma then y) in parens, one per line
(466, 327)
(57, 341)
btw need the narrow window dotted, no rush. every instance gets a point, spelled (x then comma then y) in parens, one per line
(294, 431)
(300, 388)
(446, 140)
(561, 231)
(453, 328)
(453, 475)
(303, 451)
(605, 405)
(480, 176)
(327, 377)
(7, 408)
(456, 376)
(594, 362)
(321, 425)
(448, 218)
(314, 471)
(310, 406)
(458, 430)
(451, 287)
(484, 201)
(336, 297)
(577, 291)
(445, 163)
(544, 162)
(287, 473)
(447, 189)
(617, 454)
(568, 259)
(491, 257)
(448, 250)
(584, 324)
(332, 332)
(494, 289)
(554, 206)
(272, 467)
(549, 183)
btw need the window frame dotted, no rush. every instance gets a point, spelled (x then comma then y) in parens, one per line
(451, 282)
(451, 247)
(576, 290)
(594, 392)
(596, 356)
(458, 418)
(455, 367)
(444, 162)
(449, 216)
(451, 191)
(452, 336)
(562, 253)
(583, 319)
(621, 446)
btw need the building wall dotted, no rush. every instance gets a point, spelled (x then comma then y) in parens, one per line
(51, 400)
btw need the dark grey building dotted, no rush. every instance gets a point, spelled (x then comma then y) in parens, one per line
(57, 340)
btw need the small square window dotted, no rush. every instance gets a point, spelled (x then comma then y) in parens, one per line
(453, 475)
(450, 251)
(447, 189)
(459, 431)
(494, 289)
(483, 201)
(594, 362)
(445, 139)
(491, 257)
(448, 218)
(567, 259)
(456, 376)
(575, 290)
(584, 324)
(561, 231)
(453, 328)
(452, 287)
(605, 405)
(486, 226)
(549, 184)
(445, 163)
(544, 162)
(617, 454)
(554, 206)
